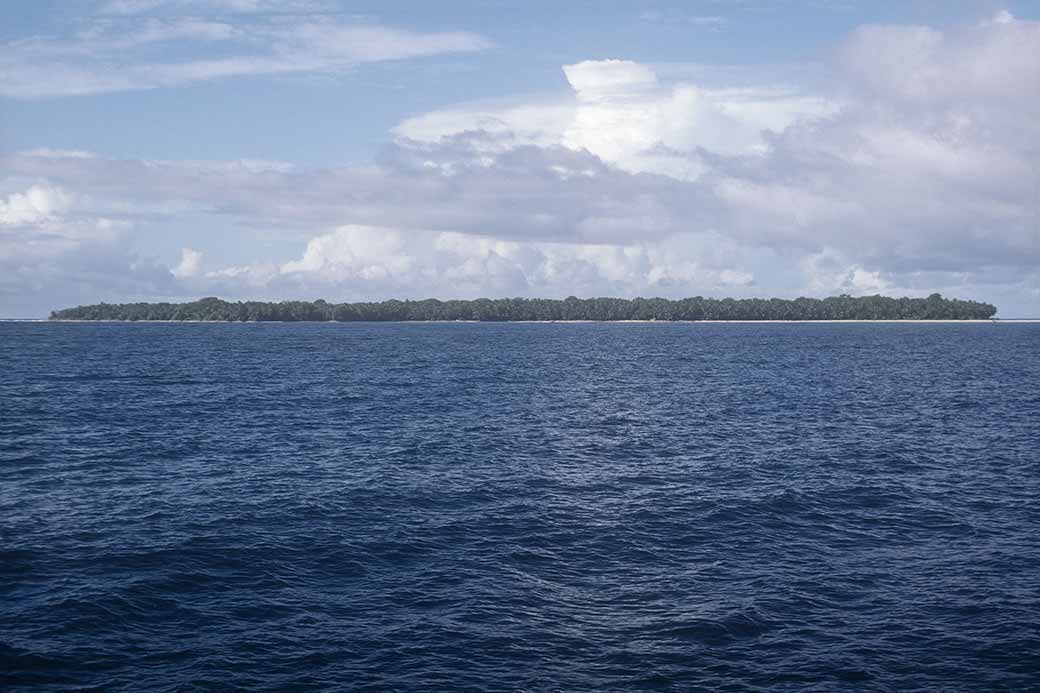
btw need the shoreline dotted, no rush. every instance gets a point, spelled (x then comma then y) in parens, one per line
(992, 321)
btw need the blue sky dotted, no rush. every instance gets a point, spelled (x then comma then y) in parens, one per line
(332, 119)
(166, 149)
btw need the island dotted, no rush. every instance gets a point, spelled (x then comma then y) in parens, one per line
(695, 309)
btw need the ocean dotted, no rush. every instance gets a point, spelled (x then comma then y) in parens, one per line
(519, 507)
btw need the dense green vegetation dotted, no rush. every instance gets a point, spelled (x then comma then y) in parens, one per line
(935, 307)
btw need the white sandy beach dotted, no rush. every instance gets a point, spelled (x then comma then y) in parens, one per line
(1012, 321)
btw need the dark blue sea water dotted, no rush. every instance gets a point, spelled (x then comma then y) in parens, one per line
(557, 507)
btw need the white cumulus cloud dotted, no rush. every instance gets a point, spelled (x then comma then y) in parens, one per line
(190, 264)
(39, 203)
(365, 262)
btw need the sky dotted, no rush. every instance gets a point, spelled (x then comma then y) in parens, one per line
(166, 150)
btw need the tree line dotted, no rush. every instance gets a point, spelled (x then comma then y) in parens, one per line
(844, 307)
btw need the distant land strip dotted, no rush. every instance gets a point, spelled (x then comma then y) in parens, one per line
(695, 309)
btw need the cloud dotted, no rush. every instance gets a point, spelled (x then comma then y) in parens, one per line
(127, 53)
(922, 65)
(54, 247)
(45, 220)
(470, 183)
(599, 79)
(678, 18)
(634, 181)
(190, 264)
(133, 7)
(623, 113)
(365, 262)
(38, 204)
(1003, 17)
(921, 159)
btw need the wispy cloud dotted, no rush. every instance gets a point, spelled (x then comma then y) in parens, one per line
(133, 7)
(110, 54)
(684, 18)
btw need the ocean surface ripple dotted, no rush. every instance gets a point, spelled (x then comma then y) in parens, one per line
(535, 507)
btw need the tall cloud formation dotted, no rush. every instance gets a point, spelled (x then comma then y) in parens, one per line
(621, 112)
(915, 171)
